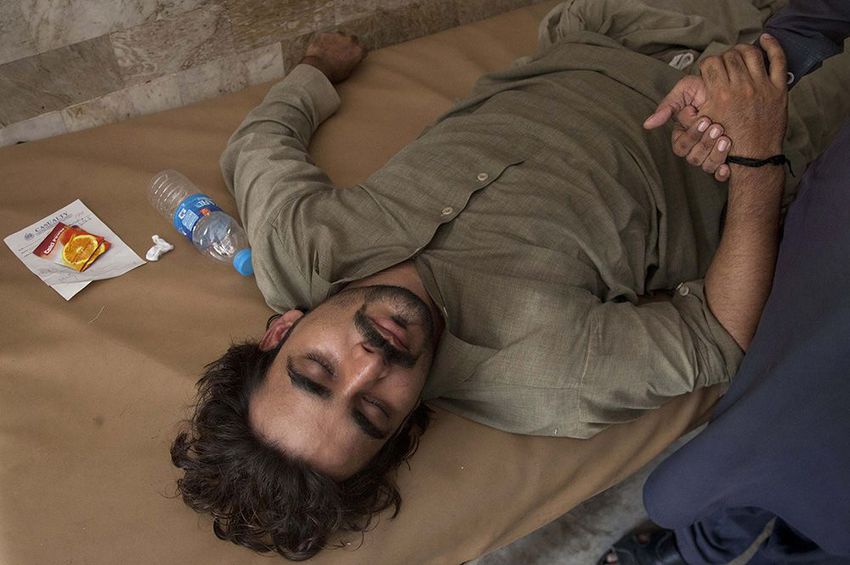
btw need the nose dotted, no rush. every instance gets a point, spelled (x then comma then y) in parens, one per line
(365, 366)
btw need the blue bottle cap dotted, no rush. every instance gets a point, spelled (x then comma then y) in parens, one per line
(242, 263)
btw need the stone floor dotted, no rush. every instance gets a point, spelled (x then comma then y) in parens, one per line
(581, 536)
(75, 64)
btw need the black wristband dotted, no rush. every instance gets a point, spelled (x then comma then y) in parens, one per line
(780, 159)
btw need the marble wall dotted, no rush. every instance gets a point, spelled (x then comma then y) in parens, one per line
(67, 65)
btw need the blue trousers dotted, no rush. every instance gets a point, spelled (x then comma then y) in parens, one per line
(729, 532)
(778, 444)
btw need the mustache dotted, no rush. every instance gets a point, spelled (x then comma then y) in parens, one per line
(373, 337)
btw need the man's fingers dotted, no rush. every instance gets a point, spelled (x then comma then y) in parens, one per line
(702, 145)
(687, 116)
(717, 155)
(735, 67)
(776, 57)
(661, 116)
(680, 149)
(713, 71)
(689, 91)
(697, 151)
(753, 59)
(706, 134)
(695, 142)
(722, 173)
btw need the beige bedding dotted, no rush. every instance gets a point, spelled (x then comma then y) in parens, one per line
(91, 390)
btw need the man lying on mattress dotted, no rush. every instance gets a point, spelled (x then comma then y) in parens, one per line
(535, 261)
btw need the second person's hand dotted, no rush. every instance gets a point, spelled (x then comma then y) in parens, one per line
(749, 101)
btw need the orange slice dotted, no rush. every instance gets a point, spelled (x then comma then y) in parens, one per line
(103, 248)
(79, 249)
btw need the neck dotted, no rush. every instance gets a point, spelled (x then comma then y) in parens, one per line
(406, 276)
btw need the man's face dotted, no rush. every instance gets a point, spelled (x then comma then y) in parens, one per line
(346, 378)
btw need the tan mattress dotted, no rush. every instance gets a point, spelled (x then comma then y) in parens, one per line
(92, 390)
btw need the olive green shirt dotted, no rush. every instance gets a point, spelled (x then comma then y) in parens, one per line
(538, 213)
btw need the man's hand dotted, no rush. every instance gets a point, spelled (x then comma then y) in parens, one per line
(695, 136)
(749, 101)
(335, 54)
(688, 92)
(701, 142)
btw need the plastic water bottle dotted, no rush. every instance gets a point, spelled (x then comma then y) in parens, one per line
(213, 232)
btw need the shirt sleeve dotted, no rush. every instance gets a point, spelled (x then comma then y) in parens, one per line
(810, 31)
(268, 170)
(640, 356)
(265, 164)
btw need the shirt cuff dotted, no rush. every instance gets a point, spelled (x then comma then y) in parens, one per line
(316, 84)
(721, 355)
(803, 54)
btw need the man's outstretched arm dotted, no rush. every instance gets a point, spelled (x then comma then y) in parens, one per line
(266, 164)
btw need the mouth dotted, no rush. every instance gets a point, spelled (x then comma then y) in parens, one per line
(392, 332)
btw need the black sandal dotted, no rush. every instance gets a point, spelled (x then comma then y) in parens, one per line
(659, 549)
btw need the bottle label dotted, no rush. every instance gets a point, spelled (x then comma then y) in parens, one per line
(191, 210)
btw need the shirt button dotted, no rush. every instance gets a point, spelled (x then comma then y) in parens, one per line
(683, 290)
(447, 211)
(483, 176)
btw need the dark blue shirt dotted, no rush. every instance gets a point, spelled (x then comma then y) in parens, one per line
(810, 32)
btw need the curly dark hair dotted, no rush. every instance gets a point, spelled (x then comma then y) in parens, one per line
(258, 495)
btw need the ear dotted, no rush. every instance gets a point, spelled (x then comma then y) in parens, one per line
(278, 328)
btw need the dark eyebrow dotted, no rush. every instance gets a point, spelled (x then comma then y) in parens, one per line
(305, 383)
(366, 426)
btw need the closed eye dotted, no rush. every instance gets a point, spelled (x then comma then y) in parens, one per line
(305, 383)
(323, 362)
(312, 387)
(377, 404)
(366, 426)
